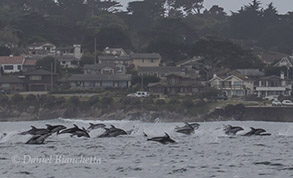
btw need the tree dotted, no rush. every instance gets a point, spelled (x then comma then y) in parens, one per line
(48, 62)
(190, 6)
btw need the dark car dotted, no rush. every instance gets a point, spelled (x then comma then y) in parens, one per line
(221, 97)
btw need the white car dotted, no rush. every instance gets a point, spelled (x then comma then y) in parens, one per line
(139, 94)
(276, 103)
(287, 103)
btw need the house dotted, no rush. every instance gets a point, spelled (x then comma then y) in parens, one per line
(68, 61)
(11, 83)
(146, 59)
(12, 64)
(29, 64)
(232, 85)
(41, 48)
(40, 80)
(160, 72)
(273, 86)
(285, 61)
(73, 51)
(125, 60)
(104, 68)
(90, 81)
(115, 51)
(176, 84)
(193, 66)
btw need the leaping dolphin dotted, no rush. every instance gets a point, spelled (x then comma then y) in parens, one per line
(38, 139)
(35, 131)
(258, 131)
(186, 129)
(75, 131)
(55, 128)
(113, 132)
(231, 130)
(164, 140)
(95, 126)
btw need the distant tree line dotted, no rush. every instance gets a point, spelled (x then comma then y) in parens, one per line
(177, 29)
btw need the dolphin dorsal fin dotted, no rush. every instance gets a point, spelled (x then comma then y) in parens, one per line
(33, 127)
(186, 123)
(84, 129)
(75, 126)
(48, 125)
(92, 124)
(112, 126)
(167, 135)
(252, 128)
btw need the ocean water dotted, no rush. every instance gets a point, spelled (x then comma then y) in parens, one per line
(206, 153)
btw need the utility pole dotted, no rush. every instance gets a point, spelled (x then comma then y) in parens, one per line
(141, 82)
(95, 51)
(51, 76)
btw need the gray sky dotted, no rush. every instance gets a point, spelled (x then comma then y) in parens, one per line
(283, 6)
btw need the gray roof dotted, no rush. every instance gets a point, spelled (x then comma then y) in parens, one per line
(250, 72)
(97, 77)
(145, 56)
(165, 69)
(10, 79)
(67, 58)
(39, 72)
(114, 58)
(194, 60)
(98, 66)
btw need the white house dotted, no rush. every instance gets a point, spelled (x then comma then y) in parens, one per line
(11, 64)
(42, 48)
(231, 85)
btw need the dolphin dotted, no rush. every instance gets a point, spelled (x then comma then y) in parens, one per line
(75, 131)
(231, 130)
(38, 139)
(186, 129)
(258, 131)
(164, 140)
(113, 132)
(35, 131)
(70, 130)
(95, 126)
(55, 128)
(80, 133)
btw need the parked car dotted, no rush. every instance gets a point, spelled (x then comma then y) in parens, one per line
(221, 97)
(276, 103)
(287, 103)
(139, 94)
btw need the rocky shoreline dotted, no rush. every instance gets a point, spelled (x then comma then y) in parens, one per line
(230, 112)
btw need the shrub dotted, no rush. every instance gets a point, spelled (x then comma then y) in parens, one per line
(15, 99)
(160, 101)
(106, 101)
(93, 100)
(30, 98)
(187, 103)
(74, 100)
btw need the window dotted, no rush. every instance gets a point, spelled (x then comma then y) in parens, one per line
(19, 67)
(152, 61)
(35, 77)
(5, 85)
(8, 67)
(238, 83)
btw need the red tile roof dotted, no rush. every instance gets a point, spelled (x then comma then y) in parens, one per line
(12, 59)
(29, 62)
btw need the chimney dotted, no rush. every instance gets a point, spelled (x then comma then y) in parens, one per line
(77, 51)
(282, 75)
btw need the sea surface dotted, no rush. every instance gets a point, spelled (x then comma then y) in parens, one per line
(206, 153)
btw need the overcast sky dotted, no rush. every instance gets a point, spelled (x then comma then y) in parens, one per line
(283, 6)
